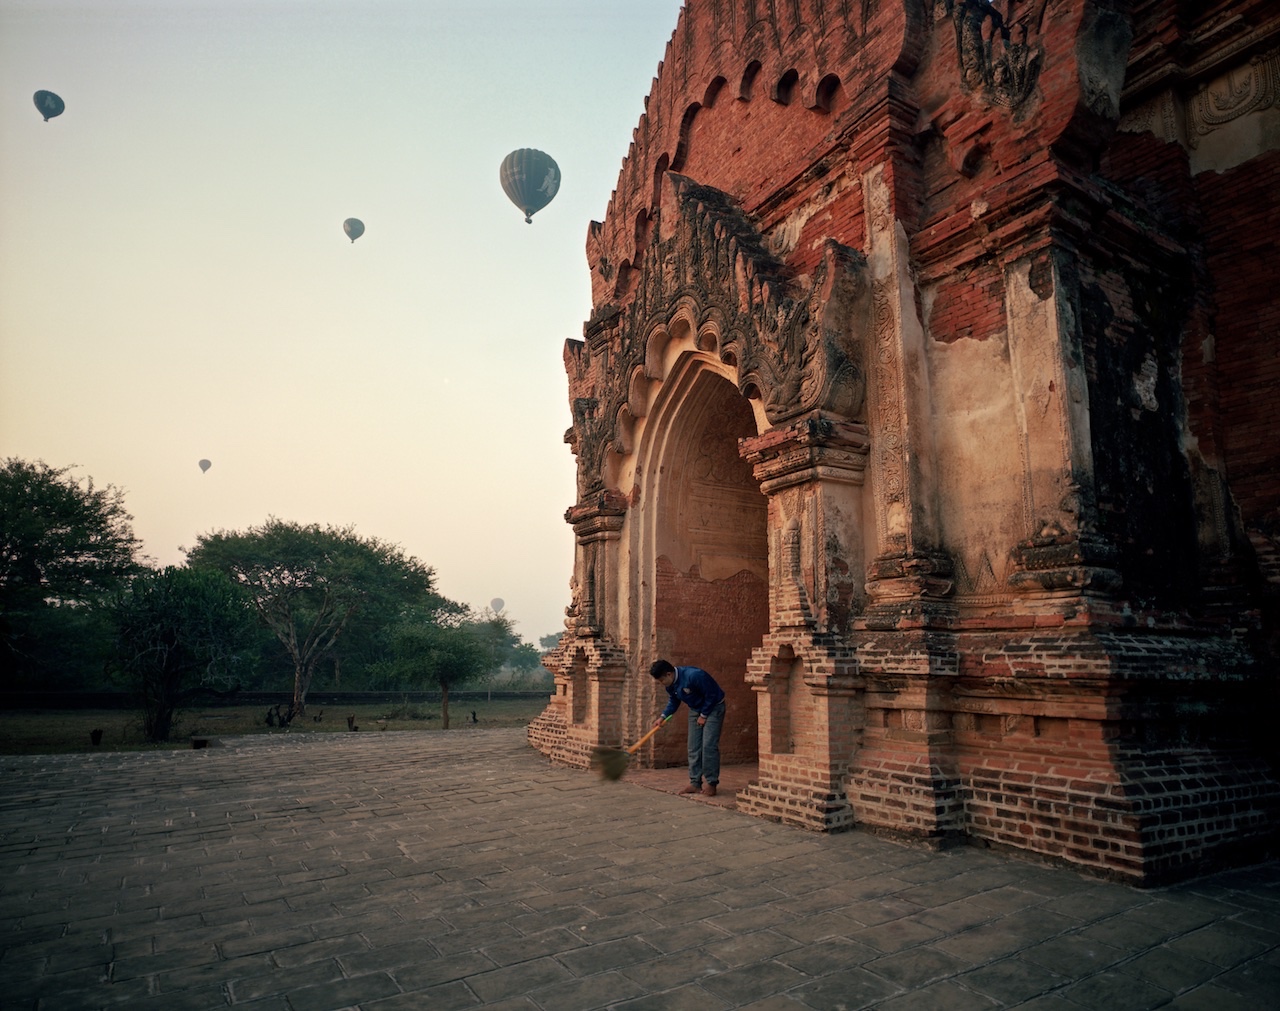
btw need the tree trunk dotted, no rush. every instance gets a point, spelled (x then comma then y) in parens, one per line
(301, 681)
(159, 703)
(158, 724)
(444, 707)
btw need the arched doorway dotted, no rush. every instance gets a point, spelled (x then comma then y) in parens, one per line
(706, 556)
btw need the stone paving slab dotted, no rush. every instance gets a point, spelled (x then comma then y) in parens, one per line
(460, 869)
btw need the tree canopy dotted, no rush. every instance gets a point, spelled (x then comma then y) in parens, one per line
(76, 596)
(509, 650)
(179, 631)
(307, 584)
(63, 543)
(443, 649)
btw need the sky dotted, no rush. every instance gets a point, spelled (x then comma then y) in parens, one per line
(175, 284)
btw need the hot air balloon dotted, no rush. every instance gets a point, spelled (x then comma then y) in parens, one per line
(497, 604)
(49, 104)
(354, 228)
(530, 179)
(205, 465)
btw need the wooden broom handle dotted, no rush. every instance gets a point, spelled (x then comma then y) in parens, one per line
(636, 747)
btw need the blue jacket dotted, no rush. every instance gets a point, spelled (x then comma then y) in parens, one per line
(696, 689)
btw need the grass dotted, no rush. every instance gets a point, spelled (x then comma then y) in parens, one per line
(60, 731)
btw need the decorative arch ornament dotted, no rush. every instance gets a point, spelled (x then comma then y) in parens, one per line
(796, 344)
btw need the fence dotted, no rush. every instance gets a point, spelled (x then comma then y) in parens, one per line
(123, 700)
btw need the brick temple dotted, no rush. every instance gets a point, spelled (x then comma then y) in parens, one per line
(929, 401)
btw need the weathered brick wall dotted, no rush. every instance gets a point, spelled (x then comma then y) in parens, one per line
(736, 83)
(1132, 320)
(969, 304)
(1145, 810)
(1241, 215)
(1074, 746)
(810, 715)
(715, 624)
(1008, 597)
(547, 732)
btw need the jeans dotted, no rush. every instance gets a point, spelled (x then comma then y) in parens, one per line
(704, 747)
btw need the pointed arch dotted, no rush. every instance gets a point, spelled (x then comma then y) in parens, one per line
(707, 283)
(698, 549)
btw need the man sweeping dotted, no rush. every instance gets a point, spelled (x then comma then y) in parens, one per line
(698, 690)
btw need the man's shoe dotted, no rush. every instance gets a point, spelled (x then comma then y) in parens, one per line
(709, 790)
(691, 788)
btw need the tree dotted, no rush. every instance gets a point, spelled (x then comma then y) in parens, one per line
(179, 631)
(525, 658)
(509, 649)
(308, 582)
(367, 643)
(64, 544)
(443, 648)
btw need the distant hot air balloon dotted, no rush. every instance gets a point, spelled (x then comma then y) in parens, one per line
(205, 465)
(49, 104)
(354, 228)
(497, 604)
(530, 179)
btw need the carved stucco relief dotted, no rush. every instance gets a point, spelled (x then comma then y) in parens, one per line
(1000, 54)
(1216, 121)
(1250, 88)
(794, 349)
(888, 451)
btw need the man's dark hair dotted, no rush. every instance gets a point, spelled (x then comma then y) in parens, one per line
(661, 667)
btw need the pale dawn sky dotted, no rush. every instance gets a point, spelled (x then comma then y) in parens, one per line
(175, 283)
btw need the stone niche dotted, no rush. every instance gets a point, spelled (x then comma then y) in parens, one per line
(926, 402)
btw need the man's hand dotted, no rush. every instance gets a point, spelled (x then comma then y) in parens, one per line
(702, 721)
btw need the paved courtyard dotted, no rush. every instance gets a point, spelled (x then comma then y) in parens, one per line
(459, 869)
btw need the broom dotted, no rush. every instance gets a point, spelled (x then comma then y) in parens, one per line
(613, 762)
